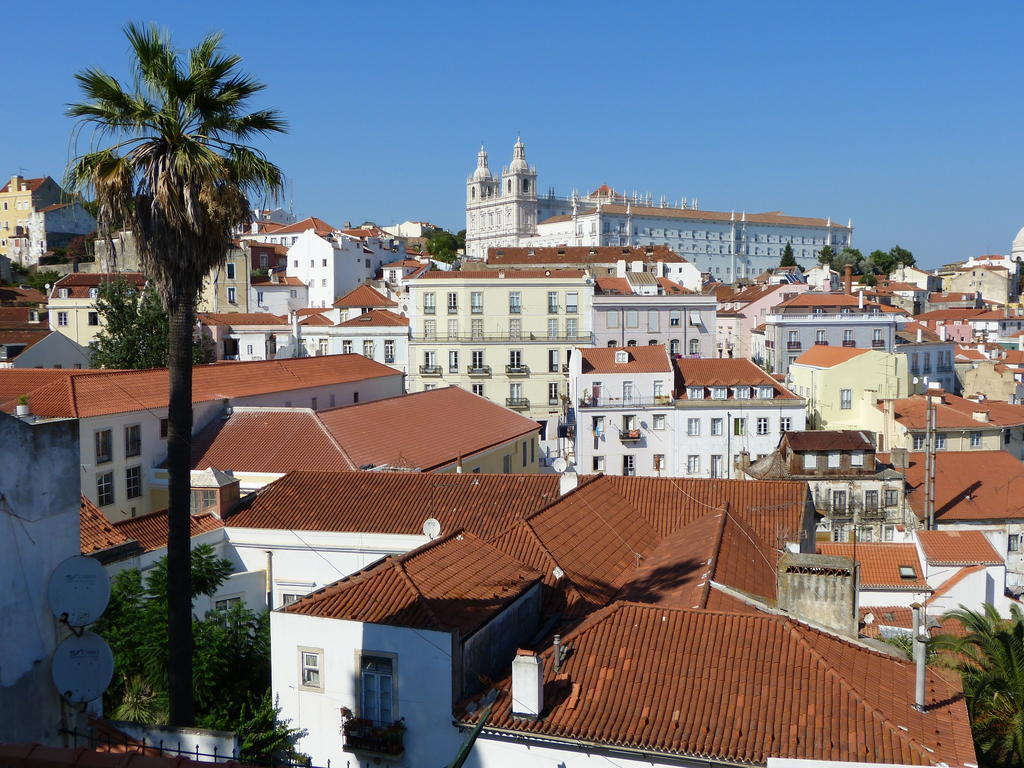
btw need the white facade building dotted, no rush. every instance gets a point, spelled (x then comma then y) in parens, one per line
(508, 211)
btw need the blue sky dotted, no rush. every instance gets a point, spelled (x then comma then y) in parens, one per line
(906, 117)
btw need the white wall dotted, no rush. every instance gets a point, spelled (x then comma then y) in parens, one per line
(55, 351)
(423, 676)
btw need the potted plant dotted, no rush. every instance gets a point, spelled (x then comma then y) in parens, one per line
(22, 407)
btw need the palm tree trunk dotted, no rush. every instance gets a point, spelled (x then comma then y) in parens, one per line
(179, 552)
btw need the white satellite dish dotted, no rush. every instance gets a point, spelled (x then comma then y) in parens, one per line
(431, 528)
(82, 667)
(559, 464)
(80, 589)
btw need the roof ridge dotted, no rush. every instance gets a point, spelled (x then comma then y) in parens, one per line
(795, 629)
(716, 549)
(418, 596)
(330, 436)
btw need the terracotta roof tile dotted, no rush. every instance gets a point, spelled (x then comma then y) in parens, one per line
(283, 280)
(649, 359)
(317, 319)
(79, 284)
(103, 756)
(151, 530)
(770, 217)
(457, 582)
(510, 274)
(364, 296)
(376, 317)
(830, 440)
(395, 502)
(825, 356)
(96, 533)
(880, 563)
(709, 372)
(730, 687)
(74, 395)
(32, 184)
(15, 295)
(319, 226)
(956, 413)
(241, 318)
(958, 548)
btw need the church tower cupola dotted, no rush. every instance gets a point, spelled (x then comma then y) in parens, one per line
(519, 158)
(483, 171)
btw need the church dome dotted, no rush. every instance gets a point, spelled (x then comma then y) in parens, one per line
(1018, 243)
(519, 158)
(482, 172)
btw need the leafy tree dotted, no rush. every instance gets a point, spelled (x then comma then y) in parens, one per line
(868, 279)
(231, 658)
(990, 658)
(134, 330)
(460, 238)
(788, 259)
(882, 262)
(41, 278)
(902, 257)
(443, 245)
(178, 174)
(827, 255)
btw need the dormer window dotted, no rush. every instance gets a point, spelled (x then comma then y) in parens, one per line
(622, 356)
(810, 461)
(857, 458)
(64, 293)
(765, 393)
(93, 293)
(695, 393)
(719, 393)
(742, 393)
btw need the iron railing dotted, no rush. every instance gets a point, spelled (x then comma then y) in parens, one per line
(517, 403)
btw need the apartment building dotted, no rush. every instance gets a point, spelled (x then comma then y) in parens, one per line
(930, 358)
(50, 227)
(740, 312)
(19, 199)
(227, 287)
(831, 319)
(637, 308)
(72, 303)
(504, 335)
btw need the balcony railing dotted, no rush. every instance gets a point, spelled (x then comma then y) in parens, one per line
(793, 345)
(846, 317)
(582, 339)
(625, 402)
(478, 370)
(517, 370)
(849, 343)
(878, 343)
(428, 310)
(630, 435)
(517, 403)
(514, 309)
(374, 738)
(430, 370)
(821, 342)
(565, 367)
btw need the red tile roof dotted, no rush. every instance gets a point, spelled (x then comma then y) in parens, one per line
(15, 295)
(969, 485)
(364, 296)
(825, 356)
(32, 184)
(510, 274)
(457, 582)
(770, 217)
(319, 226)
(955, 413)
(880, 563)
(103, 756)
(958, 548)
(316, 319)
(151, 530)
(830, 440)
(72, 394)
(566, 254)
(375, 318)
(285, 280)
(710, 372)
(15, 382)
(649, 359)
(96, 533)
(241, 318)
(732, 687)
(844, 300)
(395, 502)
(961, 314)
(80, 283)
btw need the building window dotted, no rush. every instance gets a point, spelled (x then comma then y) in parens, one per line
(515, 302)
(693, 464)
(846, 399)
(376, 683)
(230, 269)
(104, 446)
(870, 500)
(553, 393)
(716, 465)
(163, 429)
(739, 427)
(553, 328)
(105, 488)
(506, 464)
(674, 318)
(719, 393)
(571, 327)
(658, 421)
(1013, 542)
(940, 441)
(571, 301)
(311, 669)
(453, 303)
(476, 300)
(975, 439)
(918, 442)
(673, 347)
(389, 350)
(762, 425)
(346, 346)
(839, 501)
(453, 329)
(553, 361)
(892, 497)
(231, 294)
(628, 465)
(598, 463)
(429, 305)
(368, 348)
(694, 346)
(693, 427)
(515, 328)
(857, 458)
(810, 461)
(133, 482)
(132, 440)
(741, 393)
(716, 427)
(453, 361)
(611, 319)
(785, 424)
(62, 318)
(659, 462)
(632, 318)
(478, 389)
(833, 459)
(552, 302)
(476, 329)
(94, 318)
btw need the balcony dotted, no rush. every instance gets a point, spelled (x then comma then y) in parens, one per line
(517, 403)
(793, 345)
(582, 339)
(428, 310)
(878, 343)
(625, 402)
(514, 309)
(630, 435)
(477, 309)
(554, 401)
(849, 343)
(453, 310)
(374, 739)
(517, 370)
(430, 370)
(481, 371)
(820, 343)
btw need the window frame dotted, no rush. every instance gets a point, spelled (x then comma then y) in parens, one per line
(303, 685)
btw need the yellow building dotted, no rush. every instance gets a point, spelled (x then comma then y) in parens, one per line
(226, 288)
(842, 384)
(503, 335)
(19, 199)
(72, 303)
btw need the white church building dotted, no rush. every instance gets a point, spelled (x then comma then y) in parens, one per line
(508, 212)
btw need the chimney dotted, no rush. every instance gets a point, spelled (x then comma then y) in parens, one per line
(743, 461)
(980, 415)
(935, 393)
(860, 299)
(820, 589)
(920, 648)
(920, 335)
(527, 685)
(848, 279)
(899, 458)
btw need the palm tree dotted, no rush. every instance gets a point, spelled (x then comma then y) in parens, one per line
(178, 175)
(990, 658)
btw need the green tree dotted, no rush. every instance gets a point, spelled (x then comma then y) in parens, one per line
(882, 262)
(443, 245)
(788, 259)
(231, 658)
(134, 330)
(178, 174)
(990, 658)
(827, 255)
(460, 238)
(901, 256)
(41, 278)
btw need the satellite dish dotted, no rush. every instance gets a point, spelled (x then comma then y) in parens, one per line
(80, 588)
(431, 528)
(559, 464)
(82, 667)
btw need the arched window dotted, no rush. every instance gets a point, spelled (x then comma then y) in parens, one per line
(526, 185)
(673, 346)
(611, 343)
(508, 184)
(631, 343)
(694, 346)
(473, 195)
(651, 342)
